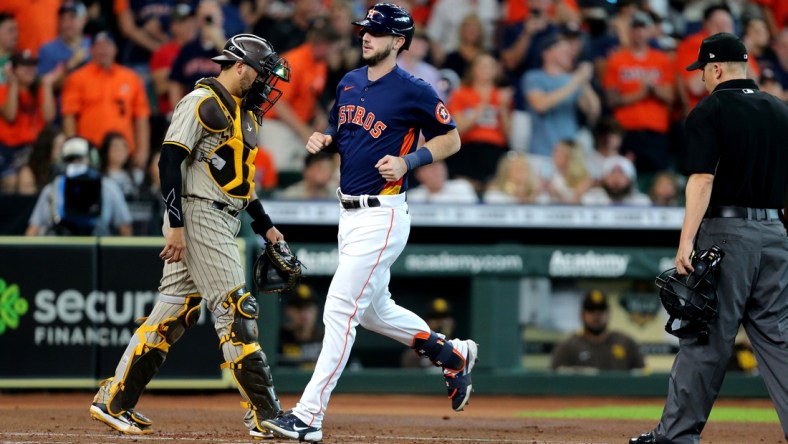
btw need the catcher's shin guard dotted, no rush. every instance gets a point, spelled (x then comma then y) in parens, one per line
(440, 351)
(149, 347)
(247, 361)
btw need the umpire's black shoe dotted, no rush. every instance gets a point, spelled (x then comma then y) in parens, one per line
(649, 438)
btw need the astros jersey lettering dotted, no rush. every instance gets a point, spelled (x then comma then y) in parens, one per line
(367, 123)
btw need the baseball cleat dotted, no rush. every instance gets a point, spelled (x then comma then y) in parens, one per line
(261, 434)
(458, 384)
(289, 426)
(128, 422)
(648, 438)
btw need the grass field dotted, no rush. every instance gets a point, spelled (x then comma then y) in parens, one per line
(652, 412)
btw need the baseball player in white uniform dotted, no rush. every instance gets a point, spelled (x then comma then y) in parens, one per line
(374, 125)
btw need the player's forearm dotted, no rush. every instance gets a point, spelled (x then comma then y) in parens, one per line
(171, 181)
(261, 222)
(698, 193)
(444, 145)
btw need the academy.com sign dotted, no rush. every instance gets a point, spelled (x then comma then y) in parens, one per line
(474, 264)
(589, 263)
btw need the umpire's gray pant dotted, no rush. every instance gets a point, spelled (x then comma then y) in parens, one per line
(753, 291)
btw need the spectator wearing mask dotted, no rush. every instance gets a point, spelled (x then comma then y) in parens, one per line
(80, 202)
(595, 347)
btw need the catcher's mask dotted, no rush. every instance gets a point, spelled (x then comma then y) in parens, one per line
(260, 55)
(692, 298)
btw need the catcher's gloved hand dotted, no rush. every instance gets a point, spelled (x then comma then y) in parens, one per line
(277, 269)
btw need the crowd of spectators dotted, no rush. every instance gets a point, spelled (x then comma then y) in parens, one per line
(556, 101)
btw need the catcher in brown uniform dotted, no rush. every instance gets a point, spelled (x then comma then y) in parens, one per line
(207, 170)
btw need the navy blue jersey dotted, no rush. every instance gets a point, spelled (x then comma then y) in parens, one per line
(372, 119)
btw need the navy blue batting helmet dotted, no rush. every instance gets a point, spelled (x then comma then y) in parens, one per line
(388, 18)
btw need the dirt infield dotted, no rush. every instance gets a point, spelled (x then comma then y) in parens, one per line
(389, 419)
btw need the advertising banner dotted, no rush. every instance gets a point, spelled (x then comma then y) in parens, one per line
(69, 307)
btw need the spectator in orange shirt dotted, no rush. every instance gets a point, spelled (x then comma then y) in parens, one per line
(638, 84)
(690, 86)
(37, 21)
(104, 96)
(26, 104)
(482, 112)
(287, 127)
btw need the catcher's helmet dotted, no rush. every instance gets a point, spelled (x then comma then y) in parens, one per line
(388, 18)
(260, 55)
(692, 298)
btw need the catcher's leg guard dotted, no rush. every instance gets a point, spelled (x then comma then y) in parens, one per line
(244, 356)
(440, 351)
(146, 352)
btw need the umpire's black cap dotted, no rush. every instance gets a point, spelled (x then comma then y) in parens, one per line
(722, 47)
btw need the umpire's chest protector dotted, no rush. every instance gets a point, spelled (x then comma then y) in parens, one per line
(231, 163)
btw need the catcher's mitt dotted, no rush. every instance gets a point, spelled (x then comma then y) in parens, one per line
(277, 269)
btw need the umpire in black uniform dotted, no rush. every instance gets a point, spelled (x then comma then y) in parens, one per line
(737, 163)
